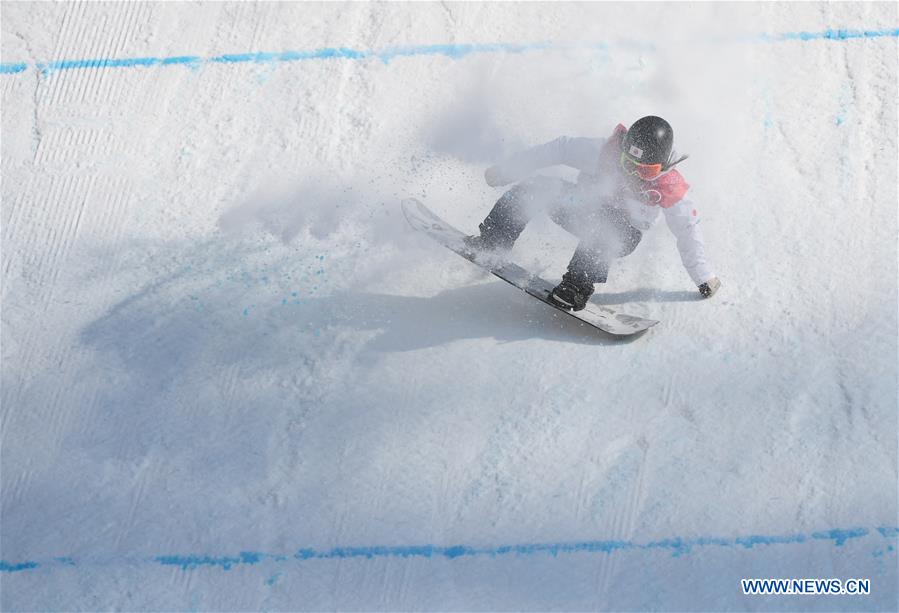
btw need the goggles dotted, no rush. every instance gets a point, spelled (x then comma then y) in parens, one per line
(647, 172)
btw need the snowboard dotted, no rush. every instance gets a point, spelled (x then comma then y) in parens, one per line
(603, 318)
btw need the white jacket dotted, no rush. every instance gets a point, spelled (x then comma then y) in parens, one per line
(597, 184)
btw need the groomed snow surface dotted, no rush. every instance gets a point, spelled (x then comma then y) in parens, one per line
(233, 378)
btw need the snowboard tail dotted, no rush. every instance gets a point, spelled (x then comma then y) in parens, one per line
(603, 318)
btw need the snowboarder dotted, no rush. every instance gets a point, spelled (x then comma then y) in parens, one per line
(624, 182)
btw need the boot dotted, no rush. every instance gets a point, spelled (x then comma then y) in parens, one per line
(502, 227)
(479, 243)
(572, 294)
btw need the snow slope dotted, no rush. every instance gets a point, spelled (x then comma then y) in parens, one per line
(234, 379)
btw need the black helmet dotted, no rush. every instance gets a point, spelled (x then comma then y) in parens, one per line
(649, 141)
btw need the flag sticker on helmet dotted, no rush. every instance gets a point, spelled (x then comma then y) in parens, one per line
(636, 152)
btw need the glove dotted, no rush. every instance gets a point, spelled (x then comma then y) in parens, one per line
(708, 289)
(494, 177)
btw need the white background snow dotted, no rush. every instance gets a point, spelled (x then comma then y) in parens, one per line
(227, 361)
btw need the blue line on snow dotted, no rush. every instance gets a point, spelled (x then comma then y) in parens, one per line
(840, 536)
(385, 55)
(11, 568)
(676, 546)
(832, 34)
(12, 68)
(757, 539)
